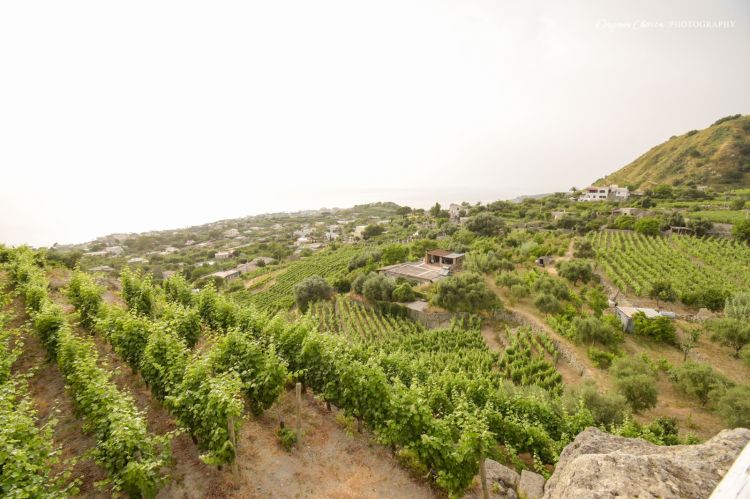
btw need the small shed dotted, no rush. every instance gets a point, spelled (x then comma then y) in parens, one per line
(545, 260)
(445, 257)
(625, 314)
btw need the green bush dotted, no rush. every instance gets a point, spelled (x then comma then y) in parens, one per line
(287, 438)
(547, 303)
(313, 288)
(658, 328)
(698, 380)
(648, 226)
(606, 409)
(403, 293)
(466, 292)
(576, 270)
(601, 358)
(639, 390)
(734, 406)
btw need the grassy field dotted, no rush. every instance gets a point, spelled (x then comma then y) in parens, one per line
(722, 216)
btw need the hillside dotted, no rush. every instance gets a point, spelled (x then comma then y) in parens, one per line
(718, 156)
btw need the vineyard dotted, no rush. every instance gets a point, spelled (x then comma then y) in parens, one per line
(280, 296)
(357, 321)
(525, 360)
(691, 264)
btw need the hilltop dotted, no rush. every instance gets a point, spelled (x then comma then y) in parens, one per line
(717, 156)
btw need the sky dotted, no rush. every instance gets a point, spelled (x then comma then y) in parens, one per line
(146, 115)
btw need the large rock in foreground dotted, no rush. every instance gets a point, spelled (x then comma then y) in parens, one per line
(599, 465)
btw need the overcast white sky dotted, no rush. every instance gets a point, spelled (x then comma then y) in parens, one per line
(140, 115)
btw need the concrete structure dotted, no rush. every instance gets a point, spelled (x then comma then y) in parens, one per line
(445, 258)
(415, 271)
(227, 275)
(625, 314)
(101, 268)
(454, 210)
(224, 255)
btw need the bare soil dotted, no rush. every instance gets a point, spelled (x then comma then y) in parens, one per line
(328, 461)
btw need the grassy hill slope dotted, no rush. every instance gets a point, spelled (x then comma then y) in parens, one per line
(718, 156)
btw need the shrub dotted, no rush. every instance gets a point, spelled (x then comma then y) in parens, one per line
(731, 332)
(639, 390)
(659, 328)
(648, 226)
(576, 270)
(547, 303)
(710, 298)
(662, 291)
(554, 286)
(592, 329)
(403, 293)
(698, 380)
(734, 406)
(635, 380)
(583, 248)
(486, 224)
(313, 288)
(465, 292)
(519, 291)
(606, 409)
(741, 231)
(600, 358)
(287, 438)
(378, 287)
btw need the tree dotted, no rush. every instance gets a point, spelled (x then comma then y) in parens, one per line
(583, 248)
(591, 329)
(606, 409)
(734, 406)
(697, 380)
(575, 270)
(662, 191)
(547, 303)
(659, 328)
(597, 301)
(403, 293)
(737, 307)
(435, 210)
(465, 292)
(731, 332)
(372, 230)
(378, 287)
(662, 291)
(690, 342)
(486, 224)
(648, 226)
(639, 390)
(636, 381)
(394, 253)
(700, 227)
(741, 231)
(313, 288)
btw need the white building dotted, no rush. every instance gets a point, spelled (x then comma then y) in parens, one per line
(454, 210)
(605, 193)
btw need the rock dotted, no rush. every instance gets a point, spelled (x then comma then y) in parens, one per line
(531, 485)
(496, 472)
(600, 465)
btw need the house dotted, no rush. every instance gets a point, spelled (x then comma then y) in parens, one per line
(605, 193)
(224, 255)
(454, 210)
(227, 275)
(625, 314)
(445, 258)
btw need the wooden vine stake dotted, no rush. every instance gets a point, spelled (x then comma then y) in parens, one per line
(483, 478)
(298, 397)
(233, 439)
